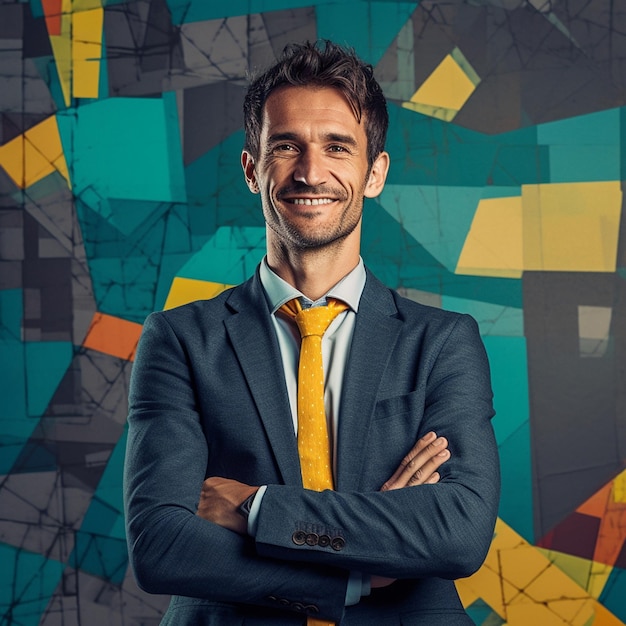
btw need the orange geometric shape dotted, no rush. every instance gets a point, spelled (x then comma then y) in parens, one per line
(113, 335)
(52, 12)
(598, 503)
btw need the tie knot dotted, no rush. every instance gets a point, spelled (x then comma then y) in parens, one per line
(315, 320)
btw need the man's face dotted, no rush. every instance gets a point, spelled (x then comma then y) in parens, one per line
(312, 170)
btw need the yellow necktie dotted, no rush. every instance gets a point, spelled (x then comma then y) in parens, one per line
(313, 440)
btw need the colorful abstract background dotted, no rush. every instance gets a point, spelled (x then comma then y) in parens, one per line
(121, 193)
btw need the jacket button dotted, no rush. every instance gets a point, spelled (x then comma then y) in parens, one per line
(324, 541)
(297, 606)
(312, 539)
(311, 608)
(337, 543)
(299, 537)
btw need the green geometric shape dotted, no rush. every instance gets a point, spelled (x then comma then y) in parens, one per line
(46, 364)
(127, 148)
(27, 582)
(229, 257)
(438, 217)
(373, 25)
(509, 378)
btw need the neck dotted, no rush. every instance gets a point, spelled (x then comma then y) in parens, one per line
(313, 272)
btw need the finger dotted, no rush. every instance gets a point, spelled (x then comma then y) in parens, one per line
(414, 466)
(419, 463)
(434, 478)
(424, 473)
(421, 444)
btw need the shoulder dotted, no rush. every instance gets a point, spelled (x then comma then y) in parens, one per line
(203, 314)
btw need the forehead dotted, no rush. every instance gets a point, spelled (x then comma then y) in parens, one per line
(308, 106)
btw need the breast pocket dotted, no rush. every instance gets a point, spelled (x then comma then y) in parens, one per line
(394, 429)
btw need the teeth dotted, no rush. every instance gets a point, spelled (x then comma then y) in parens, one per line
(312, 201)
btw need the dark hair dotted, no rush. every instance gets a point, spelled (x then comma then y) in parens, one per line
(328, 66)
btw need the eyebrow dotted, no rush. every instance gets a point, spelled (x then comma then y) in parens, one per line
(333, 137)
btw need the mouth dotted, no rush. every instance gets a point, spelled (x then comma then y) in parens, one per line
(310, 201)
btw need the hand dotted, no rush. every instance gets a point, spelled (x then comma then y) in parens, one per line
(419, 466)
(219, 500)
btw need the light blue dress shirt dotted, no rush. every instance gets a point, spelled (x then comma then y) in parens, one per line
(336, 344)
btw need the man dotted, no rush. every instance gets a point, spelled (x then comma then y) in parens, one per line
(215, 405)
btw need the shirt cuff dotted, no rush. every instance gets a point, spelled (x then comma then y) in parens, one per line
(355, 588)
(253, 518)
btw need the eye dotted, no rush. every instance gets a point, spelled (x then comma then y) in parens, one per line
(338, 148)
(283, 147)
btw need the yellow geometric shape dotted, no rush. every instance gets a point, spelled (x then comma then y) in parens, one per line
(32, 156)
(559, 227)
(493, 246)
(619, 488)
(185, 290)
(524, 587)
(571, 227)
(77, 48)
(87, 52)
(446, 90)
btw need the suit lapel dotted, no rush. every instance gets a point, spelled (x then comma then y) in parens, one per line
(254, 342)
(375, 335)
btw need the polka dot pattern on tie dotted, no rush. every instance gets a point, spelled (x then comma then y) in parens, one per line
(313, 440)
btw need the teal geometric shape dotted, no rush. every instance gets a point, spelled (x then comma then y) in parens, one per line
(594, 129)
(572, 164)
(15, 426)
(493, 319)
(438, 217)
(126, 286)
(27, 582)
(101, 556)
(482, 614)
(373, 25)
(229, 257)
(124, 148)
(509, 377)
(613, 596)
(11, 313)
(187, 11)
(217, 193)
(583, 148)
(438, 153)
(46, 364)
(108, 497)
(126, 215)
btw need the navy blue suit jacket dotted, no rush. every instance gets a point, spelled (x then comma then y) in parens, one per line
(208, 398)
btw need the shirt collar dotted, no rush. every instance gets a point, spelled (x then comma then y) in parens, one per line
(278, 291)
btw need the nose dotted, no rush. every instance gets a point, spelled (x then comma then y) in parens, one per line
(310, 169)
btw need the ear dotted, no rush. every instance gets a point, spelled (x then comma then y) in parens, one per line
(377, 176)
(247, 163)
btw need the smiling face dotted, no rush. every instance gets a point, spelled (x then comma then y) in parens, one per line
(312, 170)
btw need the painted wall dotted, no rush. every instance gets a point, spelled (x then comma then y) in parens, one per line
(121, 193)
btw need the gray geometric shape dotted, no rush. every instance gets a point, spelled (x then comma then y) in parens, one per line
(578, 430)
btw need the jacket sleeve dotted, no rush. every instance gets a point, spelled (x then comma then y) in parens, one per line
(172, 550)
(439, 530)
